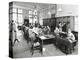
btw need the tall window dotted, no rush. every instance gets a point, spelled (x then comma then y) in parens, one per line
(16, 15)
(33, 16)
(30, 16)
(20, 16)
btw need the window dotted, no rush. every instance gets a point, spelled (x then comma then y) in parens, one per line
(30, 20)
(14, 16)
(30, 16)
(19, 10)
(33, 16)
(10, 16)
(30, 12)
(14, 10)
(10, 10)
(20, 19)
(35, 12)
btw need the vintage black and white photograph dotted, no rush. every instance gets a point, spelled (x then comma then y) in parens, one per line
(42, 29)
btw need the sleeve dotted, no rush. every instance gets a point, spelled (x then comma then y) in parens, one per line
(73, 37)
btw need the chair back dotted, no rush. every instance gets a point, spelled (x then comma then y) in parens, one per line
(32, 36)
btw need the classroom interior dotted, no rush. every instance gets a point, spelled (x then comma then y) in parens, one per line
(42, 29)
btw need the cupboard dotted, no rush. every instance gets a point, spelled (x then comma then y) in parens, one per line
(51, 22)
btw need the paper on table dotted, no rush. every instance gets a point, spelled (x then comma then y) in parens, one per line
(42, 37)
(44, 49)
(49, 36)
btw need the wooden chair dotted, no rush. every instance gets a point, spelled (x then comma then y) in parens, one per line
(35, 44)
(69, 47)
(76, 38)
(73, 45)
(26, 34)
(64, 45)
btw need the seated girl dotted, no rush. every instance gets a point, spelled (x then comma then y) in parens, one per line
(70, 36)
(56, 31)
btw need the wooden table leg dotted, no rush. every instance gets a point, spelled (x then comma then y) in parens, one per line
(42, 47)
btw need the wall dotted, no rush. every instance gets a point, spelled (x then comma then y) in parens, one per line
(67, 10)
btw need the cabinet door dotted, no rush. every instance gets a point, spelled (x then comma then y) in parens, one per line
(53, 24)
(44, 22)
(48, 22)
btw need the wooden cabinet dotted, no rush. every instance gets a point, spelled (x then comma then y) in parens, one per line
(51, 22)
(66, 19)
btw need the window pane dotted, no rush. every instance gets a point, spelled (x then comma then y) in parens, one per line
(41, 22)
(35, 18)
(35, 12)
(14, 10)
(10, 16)
(30, 20)
(10, 10)
(20, 18)
(30, 12)
(30, 16)
(19, 10)
(14, 16)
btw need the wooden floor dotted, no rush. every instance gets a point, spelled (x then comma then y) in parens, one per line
(22, 50)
